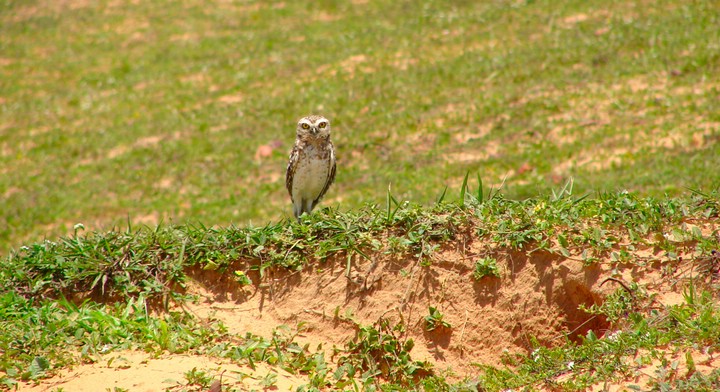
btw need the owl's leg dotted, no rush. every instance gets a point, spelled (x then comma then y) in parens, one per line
(308, 205)
(314, 203)
(297, 208)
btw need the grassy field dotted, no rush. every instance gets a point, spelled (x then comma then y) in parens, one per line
(164, 128)
(140, 111)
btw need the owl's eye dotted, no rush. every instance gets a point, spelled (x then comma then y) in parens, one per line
(305, 126)
(322, 125)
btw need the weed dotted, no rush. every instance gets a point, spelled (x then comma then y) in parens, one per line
(620, 304)
(486, 266)
(242, 279)
(434, 320)
(198, 378)
(379, 351)
(37, 335)
(640, 328)
(269, 380)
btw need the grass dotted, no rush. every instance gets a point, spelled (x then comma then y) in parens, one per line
(121, 114)
(41, 336)
(150, 262)
(153, 112)
(118, 276)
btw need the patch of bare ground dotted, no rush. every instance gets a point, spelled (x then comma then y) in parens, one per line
(349, 66)
(473, 132)
(141, 143)
(571, 21)
(138, 371)
(437, 49)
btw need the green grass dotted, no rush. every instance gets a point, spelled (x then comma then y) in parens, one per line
(153, 111)
(41, 336)
(118, 275)
(116, 114)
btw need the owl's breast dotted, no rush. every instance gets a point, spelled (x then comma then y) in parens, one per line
(312, 173)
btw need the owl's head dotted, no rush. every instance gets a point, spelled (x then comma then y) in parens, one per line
(314, 126)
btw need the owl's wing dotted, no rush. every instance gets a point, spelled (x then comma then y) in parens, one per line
(330, 178)
(291, 167)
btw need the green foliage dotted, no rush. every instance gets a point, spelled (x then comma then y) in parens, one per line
(380, 351)
(594, 359)
(198, 378)
(569, 93)
(242, 279)
(37, 368)
(87, 131)
(144, 263)
(592, 227)
(151, 263)
(696, 382)
(377, 353)
(114, 277)
(269, 380)
(434, 320)
(40, 336)
(486, 266)
(617, 306)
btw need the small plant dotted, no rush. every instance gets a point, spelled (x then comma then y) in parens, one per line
(434, 320)
(198, 377)
(269, 380)
(487, 266)
(242, 279)
(37, 368)
(377, 351)
(624, 301)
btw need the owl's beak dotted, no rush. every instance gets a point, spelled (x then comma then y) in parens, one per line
(314, 130)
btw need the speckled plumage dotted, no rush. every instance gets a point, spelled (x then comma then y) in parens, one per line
(311, 168)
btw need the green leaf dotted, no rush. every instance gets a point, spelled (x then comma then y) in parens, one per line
(463, 189)
(38, 366)
(690, 363)
(480, 188)
(562, 240)
(269, 380)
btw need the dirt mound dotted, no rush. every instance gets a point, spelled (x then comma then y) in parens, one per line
(536, 296)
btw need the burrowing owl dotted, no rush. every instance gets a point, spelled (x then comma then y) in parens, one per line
(311, 168)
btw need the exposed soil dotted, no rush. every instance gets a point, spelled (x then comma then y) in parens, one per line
(537, 296)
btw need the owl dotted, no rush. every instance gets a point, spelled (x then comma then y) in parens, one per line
(311, 169)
